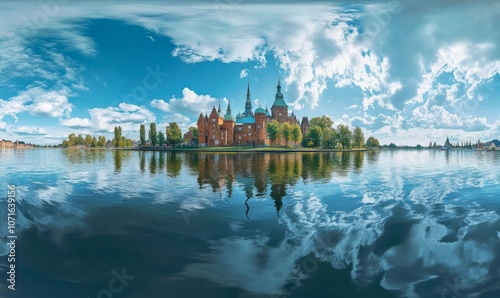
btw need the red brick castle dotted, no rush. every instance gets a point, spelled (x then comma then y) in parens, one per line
(248, 128)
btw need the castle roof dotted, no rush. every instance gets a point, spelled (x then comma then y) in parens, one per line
(228, 117)
(267, 112)
(279, 101)
(260, 110)
(246, 120)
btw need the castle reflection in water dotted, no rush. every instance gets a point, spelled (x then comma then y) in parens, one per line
(258, 175)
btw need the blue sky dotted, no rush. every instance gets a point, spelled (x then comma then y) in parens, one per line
(407, 72)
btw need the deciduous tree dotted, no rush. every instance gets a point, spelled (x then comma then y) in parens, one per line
(174, 134)
(358, 139)
(142, 135)
(153, 138)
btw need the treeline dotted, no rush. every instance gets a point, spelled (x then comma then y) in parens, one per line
(172, 136)
(90, 141)
(321, 133)
(286, 131)
(465, 145)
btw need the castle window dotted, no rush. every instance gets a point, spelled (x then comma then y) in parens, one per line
(213, 120)
(249, 126)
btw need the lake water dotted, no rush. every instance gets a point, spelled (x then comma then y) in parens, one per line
(166, 224)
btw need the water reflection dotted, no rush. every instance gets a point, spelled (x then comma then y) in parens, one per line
(396, 223)
(119, 156)
(90, 156)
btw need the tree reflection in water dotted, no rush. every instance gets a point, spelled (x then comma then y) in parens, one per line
(259, 175)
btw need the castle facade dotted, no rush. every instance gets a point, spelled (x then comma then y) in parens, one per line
(247, 128)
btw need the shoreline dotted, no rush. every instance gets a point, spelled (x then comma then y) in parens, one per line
(256, 150)
(252, 150)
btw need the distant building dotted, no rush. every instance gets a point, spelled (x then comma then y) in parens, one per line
(6, 144)
(15, 144)
(247, 128)
(188, 138)
(447, 144)
(493, 145)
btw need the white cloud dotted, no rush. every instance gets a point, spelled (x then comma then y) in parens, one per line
(76, 122)
(190, 104)
(30, 131)
(128, 116)
(161, 105)
(243, 73)
(37, 101)
(181, 120)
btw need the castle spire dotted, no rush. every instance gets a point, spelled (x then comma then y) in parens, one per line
(279, 101)
(219, 110)
(248, 103)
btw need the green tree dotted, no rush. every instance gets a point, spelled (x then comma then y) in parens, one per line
(118, 136)
(286, 128)
(174, 134)
(372, 143)
(329, 139)
(101, 141)
(71, 140)
(94, 142)
(358, 139)
(296, 134)
(65, 144)
(392, 146)
(324, 122)
(274, 131)
(315, 135)
(161, 139)
(153, 138)
(88, 141)
(344, 136)
(142, 135)
(79, 140)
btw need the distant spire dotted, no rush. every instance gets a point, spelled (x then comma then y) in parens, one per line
(219, 110)
(248, 103)
(228, 111)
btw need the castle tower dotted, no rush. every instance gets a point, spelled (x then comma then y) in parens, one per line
(248, 104)
(260, 126)
(304, 126)
(202, 131)
(228, 126)
(279, 110)
(213, 128)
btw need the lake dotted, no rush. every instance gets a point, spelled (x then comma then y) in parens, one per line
(109, 223)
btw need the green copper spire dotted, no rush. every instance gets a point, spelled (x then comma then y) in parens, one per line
(228, 116)
(248, 103)
(279, 101)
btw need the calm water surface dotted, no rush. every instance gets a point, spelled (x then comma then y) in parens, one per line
(150, 224)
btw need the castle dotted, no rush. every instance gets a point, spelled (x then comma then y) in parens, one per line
(247, 128)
